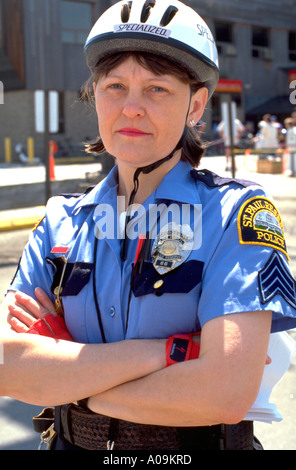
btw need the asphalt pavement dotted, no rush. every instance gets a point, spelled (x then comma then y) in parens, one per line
(15, 417)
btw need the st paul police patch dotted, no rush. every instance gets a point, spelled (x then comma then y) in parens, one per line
(259, 223)
(276, 279)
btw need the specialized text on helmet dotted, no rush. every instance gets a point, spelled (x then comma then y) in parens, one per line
(142, 28)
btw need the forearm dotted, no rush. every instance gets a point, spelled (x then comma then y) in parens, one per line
(43, 371)
(173, 397)
(218, 387)
(163, 398)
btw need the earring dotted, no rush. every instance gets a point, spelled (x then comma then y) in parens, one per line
(192, 122)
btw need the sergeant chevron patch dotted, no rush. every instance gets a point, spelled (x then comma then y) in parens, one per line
(275, 279)
(259, 223)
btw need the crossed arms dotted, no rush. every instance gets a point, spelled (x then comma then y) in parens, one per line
(128, 379)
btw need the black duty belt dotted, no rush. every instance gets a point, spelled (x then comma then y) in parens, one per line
(91, 431)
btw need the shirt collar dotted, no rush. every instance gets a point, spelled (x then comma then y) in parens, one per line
(102, 192)
(177, 185)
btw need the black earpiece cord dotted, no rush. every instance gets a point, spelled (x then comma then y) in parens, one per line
(95, 292)
(146, 169)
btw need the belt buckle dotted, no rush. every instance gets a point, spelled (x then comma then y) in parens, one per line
(110, 445)
(47, 436)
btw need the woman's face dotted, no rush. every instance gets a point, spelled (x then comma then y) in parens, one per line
(142, 115)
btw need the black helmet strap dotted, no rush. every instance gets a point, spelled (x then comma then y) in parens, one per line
(147, 169)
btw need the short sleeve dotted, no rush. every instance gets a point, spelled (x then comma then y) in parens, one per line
(33, 270)
(249, 268)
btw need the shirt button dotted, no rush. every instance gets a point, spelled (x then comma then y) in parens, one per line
(158, 284)
(112, 311)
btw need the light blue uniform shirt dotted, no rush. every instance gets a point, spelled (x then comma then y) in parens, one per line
(228, 270)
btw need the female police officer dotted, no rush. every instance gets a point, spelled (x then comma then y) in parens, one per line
(133, 285)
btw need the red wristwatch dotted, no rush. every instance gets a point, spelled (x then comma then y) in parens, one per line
(181, 348)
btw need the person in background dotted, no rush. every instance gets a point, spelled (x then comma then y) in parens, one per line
(238, 132)
(291, 145)
(268, 136)
(293, 116)
(275, 122)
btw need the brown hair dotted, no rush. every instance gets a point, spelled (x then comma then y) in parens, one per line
(192, 149)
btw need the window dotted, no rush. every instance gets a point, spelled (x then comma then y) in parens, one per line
(224, 39)
(223, 32)
(261, 43)
(76, 21)
(292, 46)
(0, 24)
(260, 37)
(61, 105)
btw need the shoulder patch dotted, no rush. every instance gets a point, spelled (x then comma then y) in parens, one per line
(276, 279)
(259, 223)
(212, 180)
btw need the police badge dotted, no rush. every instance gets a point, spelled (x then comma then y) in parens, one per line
(171, 247)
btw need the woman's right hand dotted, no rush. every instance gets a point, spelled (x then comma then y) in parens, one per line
(37, 317)
(24, 312)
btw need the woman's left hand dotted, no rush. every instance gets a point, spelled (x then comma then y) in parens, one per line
(26, 310)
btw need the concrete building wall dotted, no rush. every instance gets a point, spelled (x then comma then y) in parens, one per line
(81, 119)
(52, 64)
(17, 121)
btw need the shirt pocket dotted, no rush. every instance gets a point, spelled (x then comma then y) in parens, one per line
(74, 275)
(166, 304)
(180, 280)
(73, 295)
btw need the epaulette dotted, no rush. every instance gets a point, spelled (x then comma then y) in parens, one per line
(78, 194)
(212, 180)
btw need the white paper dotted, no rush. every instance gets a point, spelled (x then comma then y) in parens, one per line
(282, 349)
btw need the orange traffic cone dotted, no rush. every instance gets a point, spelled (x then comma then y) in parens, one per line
(51, 168)
(247, 154)
(52, 147)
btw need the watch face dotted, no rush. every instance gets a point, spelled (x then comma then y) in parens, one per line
(179, 349)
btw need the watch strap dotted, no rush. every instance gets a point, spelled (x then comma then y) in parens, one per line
(180, 348)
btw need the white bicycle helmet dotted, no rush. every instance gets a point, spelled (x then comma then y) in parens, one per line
(164, 27)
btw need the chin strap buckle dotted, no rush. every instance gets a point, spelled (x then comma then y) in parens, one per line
(110, 445)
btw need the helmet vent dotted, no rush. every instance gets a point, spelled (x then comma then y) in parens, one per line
(146, 10)
(168, 15)
(126, 11)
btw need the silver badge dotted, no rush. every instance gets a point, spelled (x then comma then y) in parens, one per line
(171, 247)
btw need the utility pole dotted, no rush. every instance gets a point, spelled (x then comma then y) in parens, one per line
(46, 146)
(229, 116)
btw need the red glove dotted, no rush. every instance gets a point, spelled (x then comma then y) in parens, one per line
(181, 348)
(52, 326)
